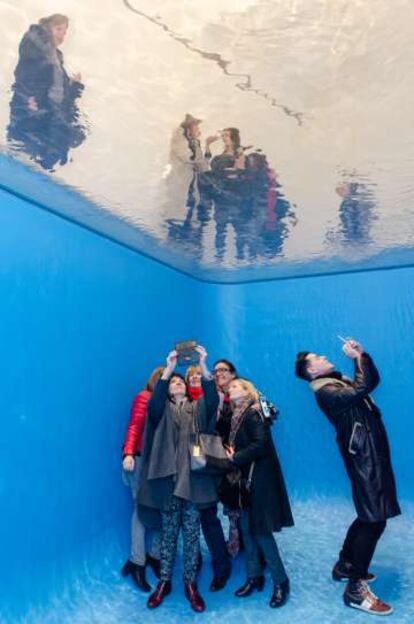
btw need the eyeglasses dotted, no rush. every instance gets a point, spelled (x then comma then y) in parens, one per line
(220, 370)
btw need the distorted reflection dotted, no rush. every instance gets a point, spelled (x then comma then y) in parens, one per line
(236, 187)
(356, 211)
(44, 117)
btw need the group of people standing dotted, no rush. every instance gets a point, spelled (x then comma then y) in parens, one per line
(170, 496)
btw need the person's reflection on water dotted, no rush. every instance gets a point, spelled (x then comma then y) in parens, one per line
(186, 163)
(356, 212)
(236, 188)
(44, 117)
(246, 196)
(226, 187)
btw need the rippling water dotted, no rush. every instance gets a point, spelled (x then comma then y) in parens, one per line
(321, 93)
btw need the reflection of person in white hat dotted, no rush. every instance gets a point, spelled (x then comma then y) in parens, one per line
(186, 161)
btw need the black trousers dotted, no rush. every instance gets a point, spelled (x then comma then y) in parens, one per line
(216, 543)
(359, 545)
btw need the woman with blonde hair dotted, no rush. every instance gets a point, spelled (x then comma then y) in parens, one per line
(263, 500)
(131, 464)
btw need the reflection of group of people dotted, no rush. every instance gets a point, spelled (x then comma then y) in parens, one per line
(44, 116)
(171, 496)
(237, 188)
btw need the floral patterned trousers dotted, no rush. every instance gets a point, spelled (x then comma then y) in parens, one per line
(184, 515)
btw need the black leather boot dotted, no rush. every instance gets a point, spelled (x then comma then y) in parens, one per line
(137, 573)
(219, 582)
(250, 585)
(280, 594)
(155, 565)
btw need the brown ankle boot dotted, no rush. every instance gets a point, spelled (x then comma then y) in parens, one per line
(192, 594)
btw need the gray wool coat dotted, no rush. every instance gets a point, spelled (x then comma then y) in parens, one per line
(166, 452)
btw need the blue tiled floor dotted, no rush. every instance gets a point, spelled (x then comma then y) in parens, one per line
(100, 596)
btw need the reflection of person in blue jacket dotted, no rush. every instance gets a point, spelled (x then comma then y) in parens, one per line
(356, 212)
(44, 117)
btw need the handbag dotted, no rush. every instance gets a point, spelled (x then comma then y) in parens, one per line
(234, 490)
(207, 453)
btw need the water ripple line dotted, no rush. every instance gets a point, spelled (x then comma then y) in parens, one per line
(245, 85)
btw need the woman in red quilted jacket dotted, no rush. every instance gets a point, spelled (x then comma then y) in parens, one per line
(131, 464)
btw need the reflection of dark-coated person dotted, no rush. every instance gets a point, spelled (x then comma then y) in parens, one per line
(364, 447)
(226, 185)
(44, 118)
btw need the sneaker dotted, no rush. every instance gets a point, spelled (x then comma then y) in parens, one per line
(342, 572)
(359, 596)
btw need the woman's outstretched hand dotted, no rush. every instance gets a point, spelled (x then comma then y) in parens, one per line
(171, 364)
(202, 353)
(203, 361)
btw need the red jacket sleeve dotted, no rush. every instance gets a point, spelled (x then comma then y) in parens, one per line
(135, 431)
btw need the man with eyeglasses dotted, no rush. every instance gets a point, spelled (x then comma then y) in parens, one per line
(363, 444)
(223, 371)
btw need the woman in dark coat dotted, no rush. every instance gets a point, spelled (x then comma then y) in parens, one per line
(44, 117)
(168, 488)
(263, 498)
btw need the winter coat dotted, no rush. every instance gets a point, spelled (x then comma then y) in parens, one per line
(46, 134)
(163, 459)
(269, 503)
(361, 438)
(134, 436)
(40, 72)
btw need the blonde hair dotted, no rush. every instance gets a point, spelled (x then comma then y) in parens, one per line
(53, 20)
(252, 392)
(190, 371)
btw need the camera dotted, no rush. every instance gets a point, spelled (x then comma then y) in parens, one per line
(268, 410)
(186, 353)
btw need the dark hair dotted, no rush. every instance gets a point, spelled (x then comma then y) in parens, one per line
(182, 379)
(301, 365)
(234, 137)
(229, 365)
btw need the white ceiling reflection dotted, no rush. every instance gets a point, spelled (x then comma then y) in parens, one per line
(323, 89)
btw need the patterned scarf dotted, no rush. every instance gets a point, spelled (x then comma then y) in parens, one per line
(237, 418)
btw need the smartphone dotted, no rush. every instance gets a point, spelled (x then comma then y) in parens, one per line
(186, 353)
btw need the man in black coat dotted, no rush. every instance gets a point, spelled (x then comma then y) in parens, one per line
(364, 447)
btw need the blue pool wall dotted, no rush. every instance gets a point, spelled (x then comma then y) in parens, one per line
(83, 322)
(263, 325)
